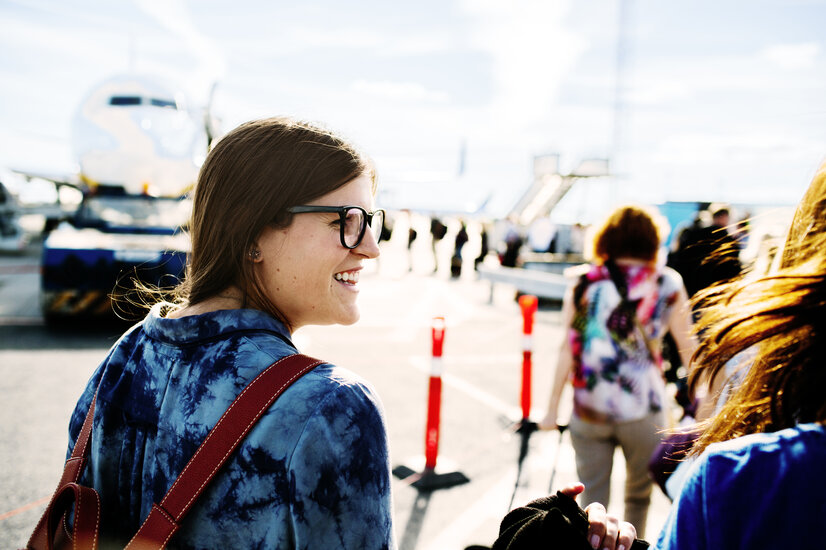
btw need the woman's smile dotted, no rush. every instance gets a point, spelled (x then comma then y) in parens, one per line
(348, 278)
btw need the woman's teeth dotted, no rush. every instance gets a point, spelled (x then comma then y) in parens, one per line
(351, 277)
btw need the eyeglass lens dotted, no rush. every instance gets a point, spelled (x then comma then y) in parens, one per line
(355, 226)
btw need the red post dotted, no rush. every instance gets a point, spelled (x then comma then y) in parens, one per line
(528, 304)
(434, 399)
(427, 479)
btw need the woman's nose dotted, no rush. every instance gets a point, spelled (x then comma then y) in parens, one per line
(368, 246)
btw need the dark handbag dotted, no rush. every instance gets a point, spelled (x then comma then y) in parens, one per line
(669, 453)
(52, 531)
(624, 319)
(555, 521)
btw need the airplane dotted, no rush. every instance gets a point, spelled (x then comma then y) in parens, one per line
(138, 133)
(138, 147)
(439, 195)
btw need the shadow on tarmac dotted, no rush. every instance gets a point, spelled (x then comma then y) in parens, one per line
(415, 521)
(67, 335)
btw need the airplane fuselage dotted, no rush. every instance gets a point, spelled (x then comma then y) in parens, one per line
(135, 132)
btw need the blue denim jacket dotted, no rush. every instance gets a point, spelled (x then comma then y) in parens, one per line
(313, 473)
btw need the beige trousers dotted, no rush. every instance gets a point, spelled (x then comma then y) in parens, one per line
(594, 446)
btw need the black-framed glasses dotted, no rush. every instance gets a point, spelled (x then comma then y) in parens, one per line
(353, 222)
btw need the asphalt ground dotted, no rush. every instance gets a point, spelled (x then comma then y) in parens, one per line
(42, 371)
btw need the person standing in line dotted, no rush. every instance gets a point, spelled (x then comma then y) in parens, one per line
(458, 245)
(438, 230)
(412, 234)
(708, 255)
(513, 245)
(615, 316)
(484, 247)
(282, 225)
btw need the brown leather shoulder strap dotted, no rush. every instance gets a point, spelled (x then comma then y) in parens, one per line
(165, 518)
(80, 453)
(72, 470)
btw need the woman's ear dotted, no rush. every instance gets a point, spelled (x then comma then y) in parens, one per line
(254, 254)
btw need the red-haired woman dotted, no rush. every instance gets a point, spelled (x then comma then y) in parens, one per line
(615, 317)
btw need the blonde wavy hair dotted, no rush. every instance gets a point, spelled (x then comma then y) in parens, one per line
(781, 315)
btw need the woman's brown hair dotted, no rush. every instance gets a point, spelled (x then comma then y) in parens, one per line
(783, 316)
(628, 232)
(248, 181)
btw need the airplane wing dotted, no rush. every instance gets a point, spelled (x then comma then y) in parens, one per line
(71, 180)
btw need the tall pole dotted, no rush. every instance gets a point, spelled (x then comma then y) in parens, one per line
(617, 132)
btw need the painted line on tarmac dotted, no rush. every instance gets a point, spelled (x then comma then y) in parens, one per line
(25, 507)
(489, 508)
(422, 363)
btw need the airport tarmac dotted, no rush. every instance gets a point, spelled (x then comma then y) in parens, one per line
(390, 346)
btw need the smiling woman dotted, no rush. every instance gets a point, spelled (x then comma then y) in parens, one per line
(282, 224)
(308, 268)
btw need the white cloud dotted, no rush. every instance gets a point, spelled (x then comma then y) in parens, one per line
(405, 91)
(418, 44)
(658, 92)
(728, 85)
(36, 153)
(726, 146)
(174, 16)
(313, 37)
(738, 166)
(792, 56)
(532, 51)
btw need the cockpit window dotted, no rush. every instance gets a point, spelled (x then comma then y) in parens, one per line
(125, 100)
(163, 103)
(131, 100)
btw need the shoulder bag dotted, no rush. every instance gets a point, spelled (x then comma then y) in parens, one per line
(629, 309)
(53, 531)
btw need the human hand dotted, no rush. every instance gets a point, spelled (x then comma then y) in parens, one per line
(604, 531)
(548, 423)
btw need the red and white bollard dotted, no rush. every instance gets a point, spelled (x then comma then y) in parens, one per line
(528, 304)
(428, 479)
(434, 396)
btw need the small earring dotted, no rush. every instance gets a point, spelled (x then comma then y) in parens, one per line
(255, 254)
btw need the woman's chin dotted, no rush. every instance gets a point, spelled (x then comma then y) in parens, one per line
(349, 318)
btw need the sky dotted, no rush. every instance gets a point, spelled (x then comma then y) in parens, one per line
(713, 100)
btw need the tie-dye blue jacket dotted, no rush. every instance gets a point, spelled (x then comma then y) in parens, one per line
(313, 473)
